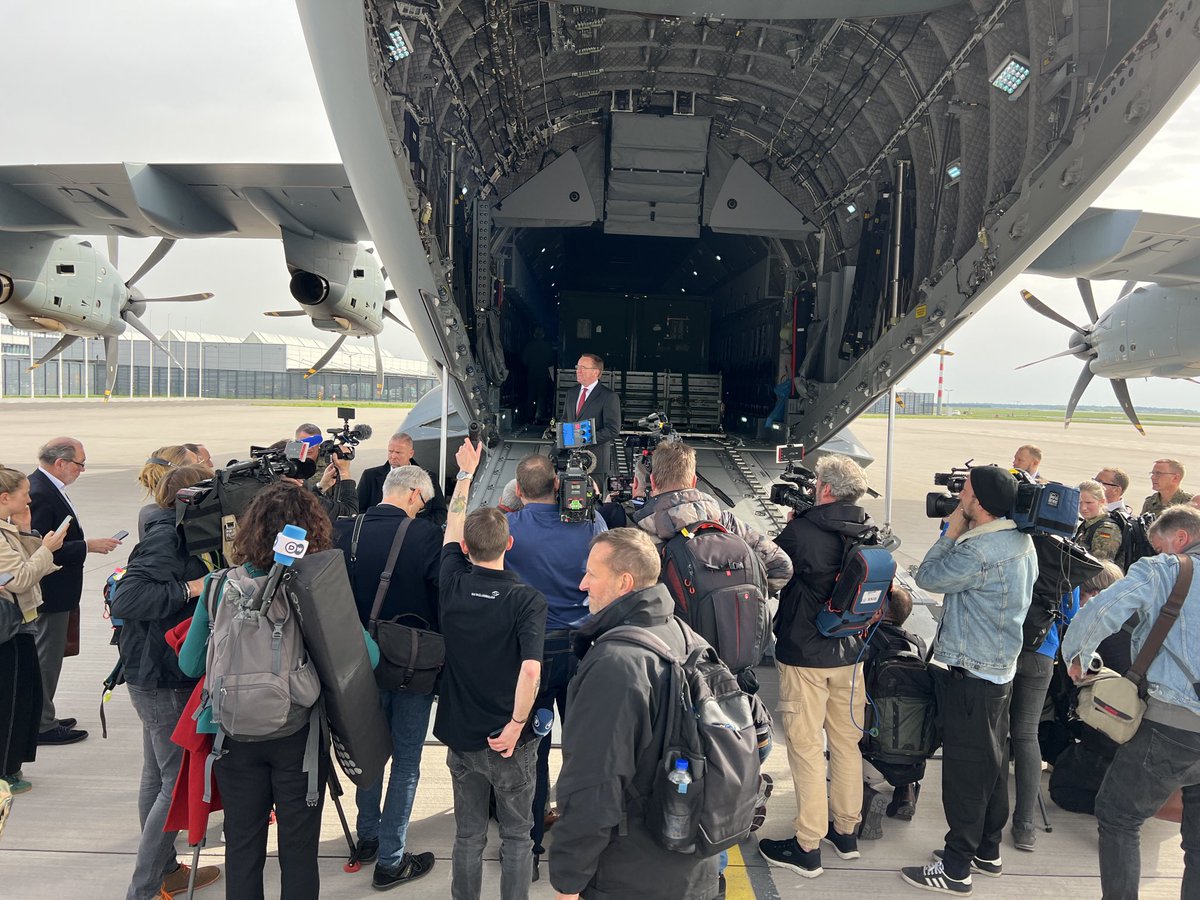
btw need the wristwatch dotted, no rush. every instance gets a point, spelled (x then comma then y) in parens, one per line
(463, 475)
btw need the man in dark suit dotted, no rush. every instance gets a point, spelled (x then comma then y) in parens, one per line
(595, 401)
(400, 453)
(60, 463)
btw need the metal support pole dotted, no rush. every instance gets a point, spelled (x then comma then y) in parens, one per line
(450, 189)
(445, 425)
(60, 376)
(891, 449)
(897, 231)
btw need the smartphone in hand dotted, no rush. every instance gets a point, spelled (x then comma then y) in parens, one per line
(64, 523)
(120, 535)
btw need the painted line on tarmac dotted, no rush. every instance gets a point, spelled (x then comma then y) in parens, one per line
(751, 882)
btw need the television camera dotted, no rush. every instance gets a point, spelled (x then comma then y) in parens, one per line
(343, 440)
(574, 464)
(1046, 508)
(798, 491)
(640, 449)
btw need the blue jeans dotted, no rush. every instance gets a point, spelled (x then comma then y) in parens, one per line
(408, 718)
(1145, 772)
(475, 775)
(159, 709)
(1029, 686)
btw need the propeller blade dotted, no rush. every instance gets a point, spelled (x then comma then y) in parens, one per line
(1044, 359)
(1038, 306)
(110, 362)
(182, 298)
(58, 348)
(1089, 299)
(1126, 288)
(329, 354)
(113, 251)
(160, 250)
(1121, 389)
(1085, 378)
(395, 318)
(378, 367)
(141, 327)
(285, 313)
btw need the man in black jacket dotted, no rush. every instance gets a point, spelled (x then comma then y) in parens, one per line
(399, 453)
(60, 463)
(820, 678)
(612, 749)
(594, 401)
(412, 593)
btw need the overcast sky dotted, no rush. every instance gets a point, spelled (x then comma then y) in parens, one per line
(230, 81)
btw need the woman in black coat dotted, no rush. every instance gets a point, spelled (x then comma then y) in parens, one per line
(156, 593)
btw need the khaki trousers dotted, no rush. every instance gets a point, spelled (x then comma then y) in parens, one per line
(812, 701)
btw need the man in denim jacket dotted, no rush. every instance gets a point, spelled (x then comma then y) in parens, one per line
(986, 569)
(1164, 755)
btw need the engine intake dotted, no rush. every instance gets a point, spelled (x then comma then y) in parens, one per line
(309, 288)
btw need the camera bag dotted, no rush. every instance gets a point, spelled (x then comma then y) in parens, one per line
(410, 659)
(720, 590)
(861, 588)
(1114, 704)
(901, 724)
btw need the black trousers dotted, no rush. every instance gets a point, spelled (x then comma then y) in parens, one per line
(20, 702)
(253, 776)
(558, 668)
(974, 715)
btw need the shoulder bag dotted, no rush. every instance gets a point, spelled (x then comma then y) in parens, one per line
(1114, 704)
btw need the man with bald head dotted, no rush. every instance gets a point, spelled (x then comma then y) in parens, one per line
(399, 453)
(60, 463)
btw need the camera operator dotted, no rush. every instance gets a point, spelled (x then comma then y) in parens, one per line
(821, 682)
(675, 503)
(335, 490)
(550, 555)
(986, 570)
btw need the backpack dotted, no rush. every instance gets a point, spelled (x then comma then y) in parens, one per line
(710, 726)
(861, 588)
(1135, 538)
(258, 684)
(720, 590)
(901, 721)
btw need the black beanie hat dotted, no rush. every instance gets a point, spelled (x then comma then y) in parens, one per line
(995, 488)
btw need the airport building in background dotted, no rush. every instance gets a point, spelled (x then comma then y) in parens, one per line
(260, 366)
(909, 403)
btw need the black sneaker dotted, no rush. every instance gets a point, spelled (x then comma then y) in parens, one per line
(68, 723)
(368, 849)
(933, 877)
(845, 845)
(992, 868)
(790, 855)
(412, 867)
(60, 735)
(871, 828)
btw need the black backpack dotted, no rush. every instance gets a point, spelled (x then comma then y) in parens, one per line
(1135, 538)
(710, 726)
(901, 722)
(861, 590)
(720, 590)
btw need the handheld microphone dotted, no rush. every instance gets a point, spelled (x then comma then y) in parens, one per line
(290, 545)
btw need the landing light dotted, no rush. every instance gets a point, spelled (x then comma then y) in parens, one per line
(398, 44)
(694, 272)
(718, 257)
(1012, 76)
(851, 208)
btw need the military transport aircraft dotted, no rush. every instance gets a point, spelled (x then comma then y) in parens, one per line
(1151, 331)
(763, 192)
(52, 281)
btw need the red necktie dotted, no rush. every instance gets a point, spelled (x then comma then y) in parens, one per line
(583, 392)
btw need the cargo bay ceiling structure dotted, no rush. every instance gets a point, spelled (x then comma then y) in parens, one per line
(870, 171)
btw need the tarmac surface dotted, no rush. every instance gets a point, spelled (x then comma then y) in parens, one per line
(76, 831)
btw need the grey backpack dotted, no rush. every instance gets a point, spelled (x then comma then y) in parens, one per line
(258, 684)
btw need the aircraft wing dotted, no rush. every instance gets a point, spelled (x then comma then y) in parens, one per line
(252, 200)
(1125, 245)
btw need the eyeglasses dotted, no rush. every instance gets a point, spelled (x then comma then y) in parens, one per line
(1107, 483)
(588, 368)
(82, 465)
(1160, 474)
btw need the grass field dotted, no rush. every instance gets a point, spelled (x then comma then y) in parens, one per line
(330, 404)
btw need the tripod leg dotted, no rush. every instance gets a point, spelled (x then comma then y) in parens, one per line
(195, 865)
(1042, 808)
(335, 794)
